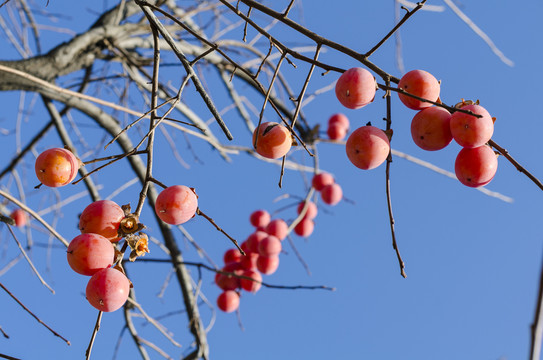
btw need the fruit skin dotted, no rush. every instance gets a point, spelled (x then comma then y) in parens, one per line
(226, 281)
(254, 240)
(422, 84)
(267, 264)
(56, 167)
(274, 140)
(249, 285)
(470, 131)
(336, 132)
(102, 217)
(248, 262)
(89, 253)
(176, 204)
(367, 147)
(260, 218)
(20, 217)
(232, 255)
(305, 227)
(431, 129)
(321, 180)
(228, 301)
(278, 228)
(269, 246)
(356, 88)
(311, 211)
(339, 119)
(332, 194)
(108, 290)
(245, 246)
(476, 167)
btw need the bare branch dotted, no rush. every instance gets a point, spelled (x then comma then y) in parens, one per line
(537, 325)
(479, 32)
(93, 336)
(32, 314)
(35, 215)
(29, 261)
(519, 167)
(395, 28)
(188, 68)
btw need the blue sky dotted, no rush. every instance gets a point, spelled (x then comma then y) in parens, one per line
(472, 261)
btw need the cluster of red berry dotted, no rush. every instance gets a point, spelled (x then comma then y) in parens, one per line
(261, 249)
(368, 146)
(432, 128)
(93, 253)
(338, 126)
(263, 246)
(102, 224)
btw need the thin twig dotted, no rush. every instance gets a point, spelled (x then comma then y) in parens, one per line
(155, 347)
(287, 10)
(234, 241)
(4, 334)
(29, 261)
(479, 32)
(119, 156)
(15, 160)
(35, 215)
(427, 7)
(3, 356)
(398, 39)
(93, 336)
(115, 159)
(153, 122)
(313, 36)
(537, 326)
(33, 315)
(246, 25)
(11, 264)
(396, 27)
(152, 321)
(133, 332)
(266, 98)
(4, 3)
(135, 122)
(283, 159)
(299, 256)
(264, 60)
(283, 48)
(451, 109)
(389, 201)
(63, 133)
(247, 74)
(519, 167)
(302, 213)
(300, 98)
(449, 174)
(188, 68)
(207, 267)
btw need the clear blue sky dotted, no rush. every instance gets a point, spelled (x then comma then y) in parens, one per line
(472, 261)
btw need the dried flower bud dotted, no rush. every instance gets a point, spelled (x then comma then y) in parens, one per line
(129, 224)
(194, 191)
(466, 102)
(139, 245)
(127, 209)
